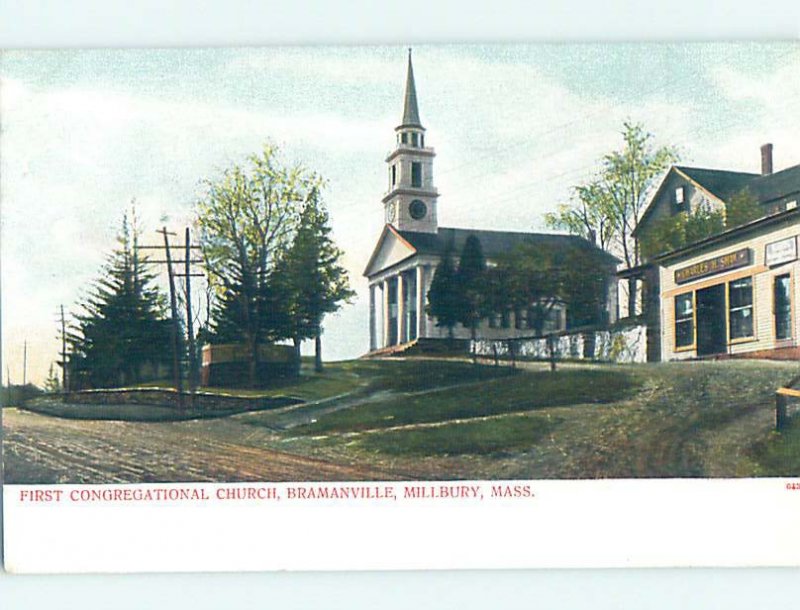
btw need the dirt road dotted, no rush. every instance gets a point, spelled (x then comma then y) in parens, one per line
(41, 449)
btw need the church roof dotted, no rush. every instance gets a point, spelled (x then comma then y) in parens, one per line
(497, 243)
(410, 109)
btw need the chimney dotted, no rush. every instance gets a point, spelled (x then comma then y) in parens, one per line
(766, 159)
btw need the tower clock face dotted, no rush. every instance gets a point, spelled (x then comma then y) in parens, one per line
(417, 209)
(391, 212)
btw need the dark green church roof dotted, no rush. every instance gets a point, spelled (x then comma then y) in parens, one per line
(497, 243)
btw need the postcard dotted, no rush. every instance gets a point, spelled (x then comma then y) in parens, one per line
(448, 306)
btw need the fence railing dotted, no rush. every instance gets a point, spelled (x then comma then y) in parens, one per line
(782, 396)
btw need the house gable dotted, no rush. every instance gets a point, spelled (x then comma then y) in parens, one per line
(391, 249)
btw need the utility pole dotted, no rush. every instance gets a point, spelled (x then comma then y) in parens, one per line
(25, 363)
(173, 302)
(172, 274)
(64, 385)
(189, 324)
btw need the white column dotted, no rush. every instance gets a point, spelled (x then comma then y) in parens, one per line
(421, 292)
(385, 289)
(373, 344)
(401, 310)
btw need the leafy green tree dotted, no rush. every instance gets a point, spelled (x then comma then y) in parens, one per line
(742, 208)
(673, 232)
(618, 195)
(589, 215)
(538, 280)
(246, 219)
(121, 328)
(310, 279)
(443, 294)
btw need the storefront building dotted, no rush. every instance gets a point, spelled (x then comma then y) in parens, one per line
(733, 294)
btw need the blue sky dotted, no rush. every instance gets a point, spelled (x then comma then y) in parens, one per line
(514, 127)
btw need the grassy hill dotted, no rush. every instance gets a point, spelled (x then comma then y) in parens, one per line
(450, 420)
(445, 419)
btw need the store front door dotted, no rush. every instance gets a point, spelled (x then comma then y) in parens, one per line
(711, 335)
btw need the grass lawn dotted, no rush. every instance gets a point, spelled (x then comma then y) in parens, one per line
(524, 391)
(487, 436)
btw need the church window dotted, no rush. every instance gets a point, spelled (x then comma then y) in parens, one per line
(415, 139)
(404, 138)
(416, 174)
(394, 175)
(520, 318)
(422, 141)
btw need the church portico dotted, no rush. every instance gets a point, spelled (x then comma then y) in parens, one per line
(397, 306)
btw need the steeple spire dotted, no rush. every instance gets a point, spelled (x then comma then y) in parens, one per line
(410, 110)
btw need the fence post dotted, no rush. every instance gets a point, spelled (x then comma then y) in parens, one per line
(780, 412)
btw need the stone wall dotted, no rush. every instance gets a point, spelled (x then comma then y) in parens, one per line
(626, 344)
(169, 398)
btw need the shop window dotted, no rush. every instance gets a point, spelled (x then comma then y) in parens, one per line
(505, 320)
(740, 302)
(783, 307)
(684, 320)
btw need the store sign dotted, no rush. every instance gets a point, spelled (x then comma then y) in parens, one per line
(783, 251)
(712, 266)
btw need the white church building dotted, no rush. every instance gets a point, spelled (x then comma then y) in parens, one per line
(411, 245)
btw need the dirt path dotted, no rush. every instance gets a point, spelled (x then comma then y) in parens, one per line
(41, 449)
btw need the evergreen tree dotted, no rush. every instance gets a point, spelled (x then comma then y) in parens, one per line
(52, 383)
(122, 327)
(309, 281)
(443, 294)
(471, 286)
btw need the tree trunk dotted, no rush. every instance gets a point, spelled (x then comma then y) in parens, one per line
(551, 352)
(318, 351)
(494, 352)
(252, 372)
(513, 353)
(297, 342)
(631, 297)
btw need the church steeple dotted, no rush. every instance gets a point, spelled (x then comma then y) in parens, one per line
(410, 109)
(410, 203)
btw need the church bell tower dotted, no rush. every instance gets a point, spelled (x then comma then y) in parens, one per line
(410, 203)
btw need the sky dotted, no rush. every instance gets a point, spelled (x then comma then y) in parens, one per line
(515, 127)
